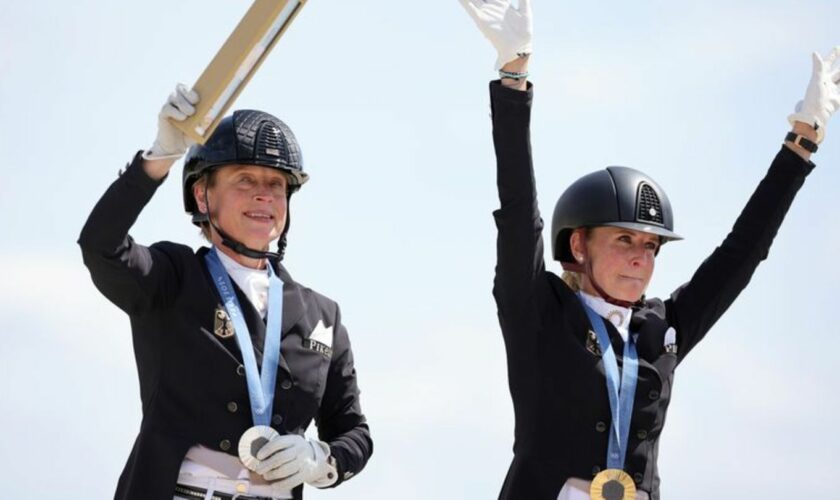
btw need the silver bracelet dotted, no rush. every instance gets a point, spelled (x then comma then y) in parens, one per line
(512, 75)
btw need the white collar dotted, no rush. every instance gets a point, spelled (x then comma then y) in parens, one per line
(617, 315)
(253, 282)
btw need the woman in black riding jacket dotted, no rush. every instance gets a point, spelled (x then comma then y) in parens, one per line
(235, 358)
(591, 360)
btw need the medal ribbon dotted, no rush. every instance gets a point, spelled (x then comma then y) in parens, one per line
(621, 397)
(260, 384)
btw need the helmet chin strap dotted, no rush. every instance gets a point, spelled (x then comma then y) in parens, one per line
(234, 245)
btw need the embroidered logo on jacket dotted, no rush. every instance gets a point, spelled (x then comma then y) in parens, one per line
(592, 344)
(670, 342)
(320, 340)
(222, 326)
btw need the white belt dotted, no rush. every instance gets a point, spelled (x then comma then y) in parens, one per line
(213, 470)
(233, 486)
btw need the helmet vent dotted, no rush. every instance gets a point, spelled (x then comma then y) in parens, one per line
(649, 208)
(270, 141)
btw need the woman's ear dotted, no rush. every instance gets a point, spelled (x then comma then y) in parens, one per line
(198, 194)
(577, 240)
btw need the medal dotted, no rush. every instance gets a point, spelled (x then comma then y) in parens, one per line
(251, 441)
(612, 484)
(260, 382)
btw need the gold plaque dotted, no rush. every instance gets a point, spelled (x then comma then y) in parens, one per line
(236, 62)
(612, 484)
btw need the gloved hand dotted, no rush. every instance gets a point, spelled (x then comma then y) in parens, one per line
(171, 143)
(822, 98)
(510, 30)
(291, 460)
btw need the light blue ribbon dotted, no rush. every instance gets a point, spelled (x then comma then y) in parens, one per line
(621, 397)
(260, 383)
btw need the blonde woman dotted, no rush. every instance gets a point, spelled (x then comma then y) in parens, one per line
(590, 360)
(235, 358)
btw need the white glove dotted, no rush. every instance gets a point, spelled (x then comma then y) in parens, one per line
(510, 30)
(291, 460)
(822, 98)
(171, 143)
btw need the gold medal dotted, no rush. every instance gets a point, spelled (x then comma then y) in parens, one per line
(612, 484)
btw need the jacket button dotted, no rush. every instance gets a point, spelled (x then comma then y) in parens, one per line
(240, 370)
(642, 434)
(653, 395)
(601, 426)
(224, 445)
(232, 407)
(638, 478)
(595, 470)
(286, 384)
(276, 419)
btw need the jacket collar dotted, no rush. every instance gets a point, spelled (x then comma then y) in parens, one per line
(294, 305)
(617, 315)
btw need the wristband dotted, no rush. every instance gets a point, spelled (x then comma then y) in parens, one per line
(802, 142)
(513, 76)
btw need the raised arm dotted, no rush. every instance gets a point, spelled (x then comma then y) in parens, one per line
(170, 143)
(519, 243)
(822, 99)
(697, 305)
(510, 30)
(131, 275)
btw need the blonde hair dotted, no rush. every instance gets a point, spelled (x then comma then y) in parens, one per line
(572, 280)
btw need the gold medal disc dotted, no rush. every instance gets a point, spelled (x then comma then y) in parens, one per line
(612, 484)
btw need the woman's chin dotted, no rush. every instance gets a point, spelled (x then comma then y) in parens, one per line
(628, 295)
(258, 240)
(259, 244)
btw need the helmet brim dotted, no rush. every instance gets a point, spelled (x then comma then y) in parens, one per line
(296, 177)
(645, 228)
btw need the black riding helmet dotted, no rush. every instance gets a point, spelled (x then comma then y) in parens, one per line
(247, 137)
(615, 196)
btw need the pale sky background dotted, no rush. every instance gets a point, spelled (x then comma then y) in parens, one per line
(389, 101)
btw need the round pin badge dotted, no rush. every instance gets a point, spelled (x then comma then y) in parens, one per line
(612, 484)
(251, 441)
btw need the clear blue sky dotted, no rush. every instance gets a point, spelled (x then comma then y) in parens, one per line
(389, 101)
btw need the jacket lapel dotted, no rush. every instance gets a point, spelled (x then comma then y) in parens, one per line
(256, 325)
(649, 329)
(293, 309)
(294, 306)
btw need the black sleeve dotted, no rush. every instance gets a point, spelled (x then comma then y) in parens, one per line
(340, 421)
(130, 275)
(519, 246)
(695, 307)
